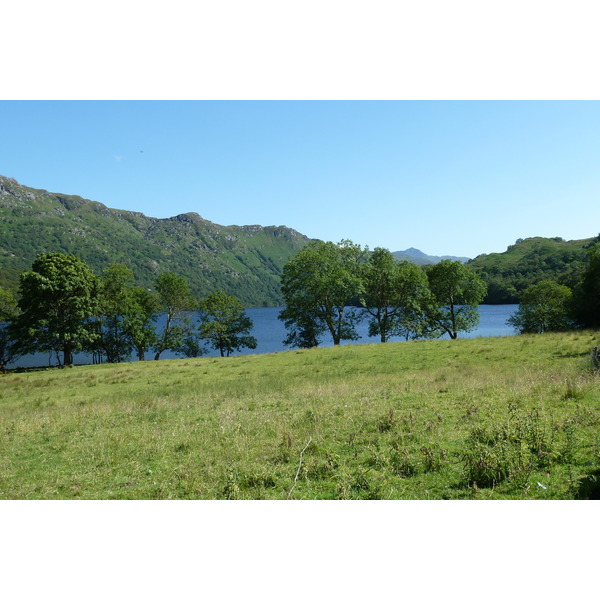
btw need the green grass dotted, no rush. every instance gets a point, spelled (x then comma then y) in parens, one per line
(473, 418)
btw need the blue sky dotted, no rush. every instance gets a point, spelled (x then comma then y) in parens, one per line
(448, 177)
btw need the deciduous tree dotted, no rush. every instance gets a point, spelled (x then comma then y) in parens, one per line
(456, 293)
(392, 291)
(115, 284)
(176, 300)
(317, 285)
(140, 319)
(224, 324)
(587, 292)
(8, 311)
(544, 306)
(58, 298)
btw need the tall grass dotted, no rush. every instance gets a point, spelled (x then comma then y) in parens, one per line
(513, 417)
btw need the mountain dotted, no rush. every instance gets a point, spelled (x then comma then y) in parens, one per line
(245, 261)
(528, 262)
(420, 258)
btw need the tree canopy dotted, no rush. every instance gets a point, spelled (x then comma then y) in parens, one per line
(8, 311)
(139, 322)
(586, 297)
(394, 293)
(58, 297)
(176, 300)
(544, 306)
(455, 294)
(317, 285)
(224, 324)
(115, 284)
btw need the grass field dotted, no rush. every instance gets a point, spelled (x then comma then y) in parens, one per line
(513, 417)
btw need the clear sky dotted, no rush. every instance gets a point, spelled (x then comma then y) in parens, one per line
(447, 177)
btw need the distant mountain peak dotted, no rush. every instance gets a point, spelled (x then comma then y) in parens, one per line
(420, 258)
(414, 252)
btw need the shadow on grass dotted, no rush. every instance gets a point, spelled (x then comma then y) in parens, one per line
(570, 354)
(589, 488)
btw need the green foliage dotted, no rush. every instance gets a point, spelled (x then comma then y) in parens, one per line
(304, 329)
(508, 274)
(317, 284)
(8, 311)
(58, 299)
(115, 284)
(545, 306)
(394, 294)
(244, 261)
(8, 306)
(587, 293)
(513, 449)
(455, 294)
(177, 301)
(223, 323)
(139, 322)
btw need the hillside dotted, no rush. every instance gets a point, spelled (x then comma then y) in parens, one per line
(528, 262)
(242, 260)
(418, 257)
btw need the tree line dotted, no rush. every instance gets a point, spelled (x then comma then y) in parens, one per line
(63, 307)
(403, 299)
(530, 261)
(398, 297)
(328, 288)
(551, 306)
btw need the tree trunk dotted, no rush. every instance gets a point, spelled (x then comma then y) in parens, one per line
(332, 331)
(67, 355)
(454, 333)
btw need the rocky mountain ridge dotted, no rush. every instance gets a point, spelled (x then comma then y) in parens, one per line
(242, 260)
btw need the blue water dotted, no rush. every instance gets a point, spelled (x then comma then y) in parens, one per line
(270, 332)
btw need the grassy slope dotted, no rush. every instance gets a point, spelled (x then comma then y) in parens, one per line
(244, 261)
(533, 260)
(394, 421)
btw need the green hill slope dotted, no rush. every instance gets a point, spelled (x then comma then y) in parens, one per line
(244, 261)
(530, 261)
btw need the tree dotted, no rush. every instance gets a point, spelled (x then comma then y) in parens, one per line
(392, 292)
(544, 306)
(8, 311)
(223, 322)
(317, 285)
(304, 329)
(139, 322)
(586, 297)
(128, 315)
(58, 299)
(176, 300)
(413, 323)
(456, 293)
(115, 284)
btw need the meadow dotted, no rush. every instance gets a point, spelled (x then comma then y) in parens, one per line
(487, 418)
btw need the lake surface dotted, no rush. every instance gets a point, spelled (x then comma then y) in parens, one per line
(270, 332)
